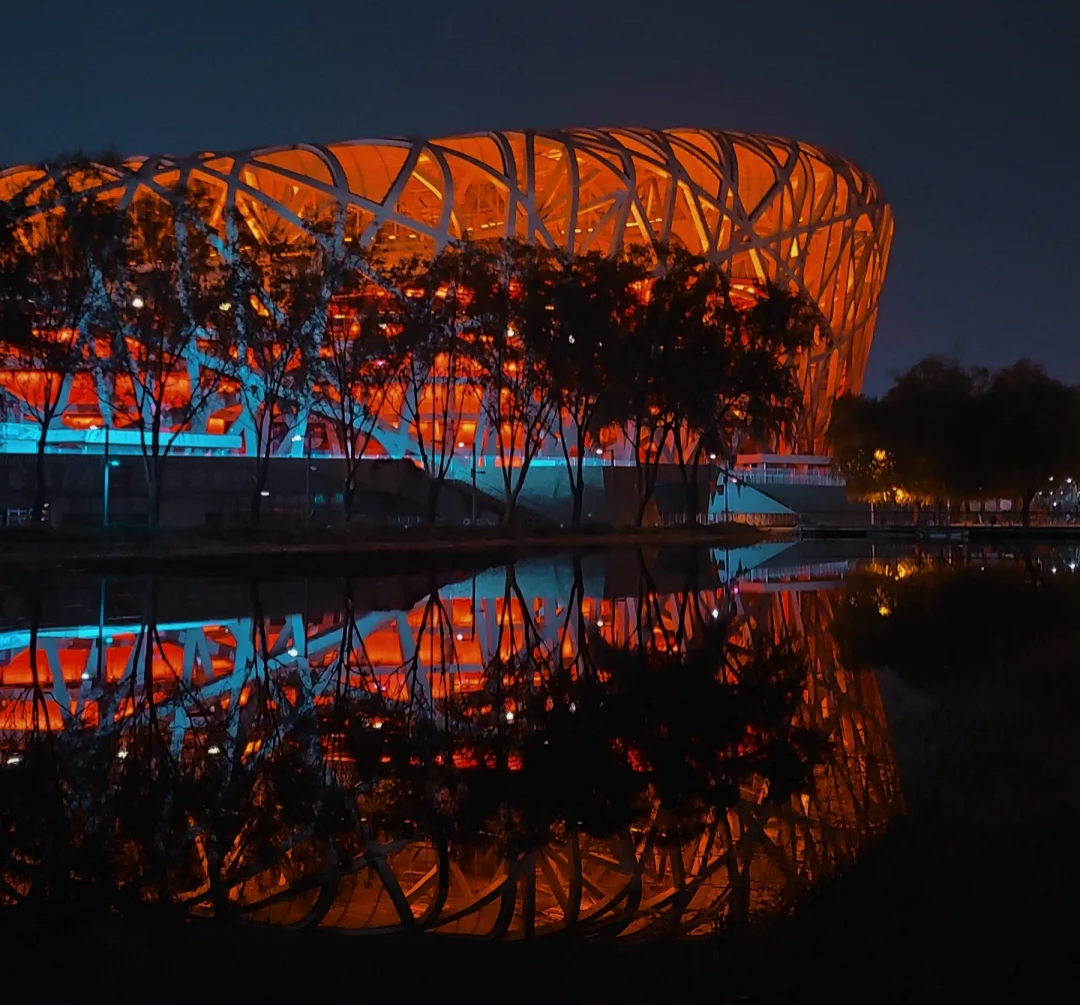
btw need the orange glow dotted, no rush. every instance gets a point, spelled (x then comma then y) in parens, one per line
(765, 207)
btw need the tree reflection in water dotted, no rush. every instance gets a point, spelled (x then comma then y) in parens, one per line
(494, 759)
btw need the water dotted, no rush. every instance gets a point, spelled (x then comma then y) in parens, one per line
(612, 745)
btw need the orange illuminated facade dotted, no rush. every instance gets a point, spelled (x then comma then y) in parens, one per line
(765, 207)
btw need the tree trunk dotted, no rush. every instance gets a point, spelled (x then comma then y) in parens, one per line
(576, 504)
(640, 511)
(645, 487)
(577, 486)
(1026, 501)
(349, 480)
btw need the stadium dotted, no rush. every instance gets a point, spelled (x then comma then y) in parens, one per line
(764, 207)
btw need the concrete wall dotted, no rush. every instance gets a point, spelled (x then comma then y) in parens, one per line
(217, 491)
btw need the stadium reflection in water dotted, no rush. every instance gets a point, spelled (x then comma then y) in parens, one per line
(609, 744)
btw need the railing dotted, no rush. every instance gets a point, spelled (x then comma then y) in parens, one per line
(783, 476)
(22, 438)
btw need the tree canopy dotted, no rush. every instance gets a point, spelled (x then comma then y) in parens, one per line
(943, 431)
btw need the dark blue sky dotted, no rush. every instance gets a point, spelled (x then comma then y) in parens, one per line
(965, 112)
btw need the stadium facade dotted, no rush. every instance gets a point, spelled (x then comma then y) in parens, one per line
(765, 207)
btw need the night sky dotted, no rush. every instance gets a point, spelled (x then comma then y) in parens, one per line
(965, 113)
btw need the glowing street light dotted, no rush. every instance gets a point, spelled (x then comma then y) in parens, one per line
(137, 302)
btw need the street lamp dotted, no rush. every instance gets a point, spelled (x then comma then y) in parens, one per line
(609, 484)
(473, 478)
(106, 464)
(306, 437)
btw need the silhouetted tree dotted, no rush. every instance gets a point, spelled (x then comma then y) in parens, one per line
(704, 373)
(161, 282)
(1031, 429)
(352, 377)
(50, 289)
(942, 432)
(858, 436)
(596, 302)
(511, 321)
(280, 284)
(729, 377)
(431, 360)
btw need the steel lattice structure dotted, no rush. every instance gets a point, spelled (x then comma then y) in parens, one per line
(753, 860)
(764, 206)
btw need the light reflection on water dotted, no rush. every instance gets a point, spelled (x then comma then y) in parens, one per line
(436, 752)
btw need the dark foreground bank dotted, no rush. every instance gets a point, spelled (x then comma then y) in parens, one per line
(132, 550)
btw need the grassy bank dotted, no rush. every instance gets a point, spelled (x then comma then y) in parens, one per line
(205, 549)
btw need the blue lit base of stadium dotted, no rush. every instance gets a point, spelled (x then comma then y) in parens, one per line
(207, 481)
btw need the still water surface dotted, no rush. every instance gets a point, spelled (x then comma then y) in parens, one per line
(617, 744)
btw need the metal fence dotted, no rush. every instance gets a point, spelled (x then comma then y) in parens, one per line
(781, 476)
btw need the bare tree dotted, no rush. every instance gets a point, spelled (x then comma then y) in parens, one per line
(431, 360)
(637, 407)
(281, 284)
(352, 377)
(48, 297)
(160, 286)
(511, 319)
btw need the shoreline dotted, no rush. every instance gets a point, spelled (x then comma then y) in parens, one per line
(133, 549)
